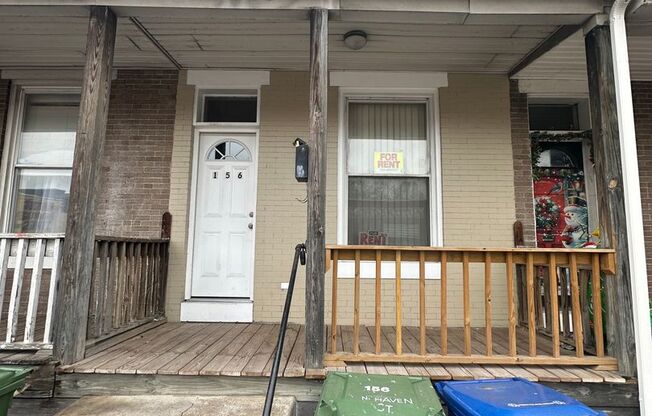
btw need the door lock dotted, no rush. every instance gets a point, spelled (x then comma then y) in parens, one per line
(251, 226)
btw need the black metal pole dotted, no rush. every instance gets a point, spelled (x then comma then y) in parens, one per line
(299, 254)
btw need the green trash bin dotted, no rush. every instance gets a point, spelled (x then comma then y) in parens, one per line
(11, 379)
(350, 394)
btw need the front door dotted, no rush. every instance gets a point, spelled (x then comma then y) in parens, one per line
(224, 217)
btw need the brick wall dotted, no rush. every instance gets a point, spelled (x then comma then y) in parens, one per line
(521, 148)
(135, 180)
(642, 95)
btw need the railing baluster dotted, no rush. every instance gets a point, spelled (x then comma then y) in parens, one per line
(378, 300)
(467, 303)
(564, 285)
(422, 303)
(34, 291)
(554, 304)
(112, 289)
(159, 274)
(597, 305)
(334, 303)
(130, 283)
(52, 292)
(578, 333)
(444, 312)
(145, 278)
(102, 281)
(532, 330)
(5, 247)
(356, 305)
(511, 314)
(151, 279)
(487, 302)
(16, 289)
(94, 312)
(140, 288)
(399, 327)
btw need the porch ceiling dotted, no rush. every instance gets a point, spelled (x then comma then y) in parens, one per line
(455, 41)
(567, 61)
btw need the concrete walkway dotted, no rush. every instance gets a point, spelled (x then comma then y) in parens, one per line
(177, 406)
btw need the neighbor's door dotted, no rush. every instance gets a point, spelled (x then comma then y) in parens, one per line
(224, 217)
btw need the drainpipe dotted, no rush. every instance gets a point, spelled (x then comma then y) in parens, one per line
(633, 207)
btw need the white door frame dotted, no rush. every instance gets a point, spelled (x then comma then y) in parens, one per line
(192, 211)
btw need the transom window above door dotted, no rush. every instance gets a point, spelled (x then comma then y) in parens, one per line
(232, 107)
(388, 168)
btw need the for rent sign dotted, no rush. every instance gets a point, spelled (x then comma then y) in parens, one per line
(388, 162)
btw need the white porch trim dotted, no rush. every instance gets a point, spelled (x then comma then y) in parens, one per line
(217, 310)
(211, 78)
(403, 81)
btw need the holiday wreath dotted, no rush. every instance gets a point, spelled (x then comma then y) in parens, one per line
(547, 213)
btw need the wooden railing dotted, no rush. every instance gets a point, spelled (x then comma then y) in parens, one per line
(128, 285)
(29, 272)
(592, 263)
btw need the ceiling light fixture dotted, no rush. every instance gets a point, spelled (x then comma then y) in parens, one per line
(355, 39)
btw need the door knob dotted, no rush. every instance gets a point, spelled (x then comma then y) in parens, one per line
(251, 226)
(251, 214)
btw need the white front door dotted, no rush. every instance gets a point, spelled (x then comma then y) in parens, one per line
(224, 217)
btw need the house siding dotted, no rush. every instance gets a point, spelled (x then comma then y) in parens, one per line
(180, 174)
(135, 176)
(642, 97)
(521, 148)
(478, 197)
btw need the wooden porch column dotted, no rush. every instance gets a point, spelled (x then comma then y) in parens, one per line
(611, 202)
(316, 240)
(77, 255)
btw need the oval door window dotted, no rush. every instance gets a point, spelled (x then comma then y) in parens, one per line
(229, 150)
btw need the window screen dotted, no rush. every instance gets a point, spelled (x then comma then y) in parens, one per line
(229, 109)
(388, 174)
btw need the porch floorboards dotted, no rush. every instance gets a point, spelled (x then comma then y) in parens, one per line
(246, 350)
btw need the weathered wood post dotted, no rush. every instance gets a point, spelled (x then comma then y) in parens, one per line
(77, 255)
(316, 240)
(611, 202)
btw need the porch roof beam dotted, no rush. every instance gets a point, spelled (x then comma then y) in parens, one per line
(561, 34)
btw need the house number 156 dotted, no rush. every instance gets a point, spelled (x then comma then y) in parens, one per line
(228, 175)
(376, 389)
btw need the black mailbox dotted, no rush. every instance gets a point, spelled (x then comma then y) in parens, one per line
(301, 160)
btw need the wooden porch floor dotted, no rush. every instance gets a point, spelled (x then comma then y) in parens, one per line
(225, 349)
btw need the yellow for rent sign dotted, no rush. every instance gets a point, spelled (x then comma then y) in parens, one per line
(388, 162)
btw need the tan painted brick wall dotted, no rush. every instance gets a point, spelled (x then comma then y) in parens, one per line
(281, 214)
(180, 173)
(478, 202)
(478, 197)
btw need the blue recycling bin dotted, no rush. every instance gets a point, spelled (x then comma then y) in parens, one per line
(507, 397)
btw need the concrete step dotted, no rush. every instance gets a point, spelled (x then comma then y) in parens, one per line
(168, 405)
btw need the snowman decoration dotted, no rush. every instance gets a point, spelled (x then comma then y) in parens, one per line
(576, 232)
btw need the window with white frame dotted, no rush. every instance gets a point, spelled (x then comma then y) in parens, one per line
(388, 172)
(39, 167)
